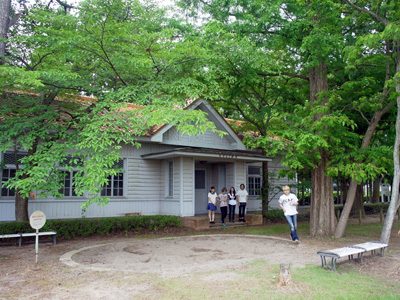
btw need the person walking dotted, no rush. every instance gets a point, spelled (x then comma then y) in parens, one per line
(288, 202)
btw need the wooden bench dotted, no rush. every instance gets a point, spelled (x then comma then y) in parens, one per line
(373, 247)
(19, 236)
(337, 253)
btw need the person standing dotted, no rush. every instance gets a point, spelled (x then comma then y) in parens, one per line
(288, 202)
(223, 204)
(242, 198)
(211, 206)
(232, 204)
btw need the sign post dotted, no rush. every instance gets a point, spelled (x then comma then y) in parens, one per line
(37, 221)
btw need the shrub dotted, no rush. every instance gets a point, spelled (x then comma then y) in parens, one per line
(71, 228)
(275, 215)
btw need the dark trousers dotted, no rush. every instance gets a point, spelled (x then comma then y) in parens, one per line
(224, 212)
(232, 213)
(242, 209)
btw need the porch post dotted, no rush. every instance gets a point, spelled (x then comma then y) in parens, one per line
(181, 185)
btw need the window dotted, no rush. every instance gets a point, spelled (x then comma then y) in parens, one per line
(7, 174)
(170, 178)
(8, 163)
(115, 183)
(68, 189)
(254, 180)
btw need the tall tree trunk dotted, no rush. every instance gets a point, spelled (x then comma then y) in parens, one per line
(21, 207)
(5, 8)
(265, 191)
(322, 212)
(376, 190)
(394, 201)
(341, 226)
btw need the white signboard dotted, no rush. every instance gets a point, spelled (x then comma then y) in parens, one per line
(37, 219)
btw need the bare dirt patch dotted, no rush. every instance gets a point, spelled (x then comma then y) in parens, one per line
(184, 255)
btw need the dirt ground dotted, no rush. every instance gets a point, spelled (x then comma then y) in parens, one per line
(136, 268)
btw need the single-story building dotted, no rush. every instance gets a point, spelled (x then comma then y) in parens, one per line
(170, 173)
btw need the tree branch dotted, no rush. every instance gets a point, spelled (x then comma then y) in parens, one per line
(377, 17)
(293, 75)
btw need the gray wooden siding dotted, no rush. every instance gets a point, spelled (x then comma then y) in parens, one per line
(207, 140)
(230, 175)
(71, 208)
(240, 173)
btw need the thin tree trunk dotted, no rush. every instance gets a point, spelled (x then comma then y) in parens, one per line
(265, 191)
(341, 226)
(322, 210)
(5, 7)
(394, 201)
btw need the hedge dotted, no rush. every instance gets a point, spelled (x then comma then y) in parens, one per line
(369, 208)
(71, 228)
(277, 216)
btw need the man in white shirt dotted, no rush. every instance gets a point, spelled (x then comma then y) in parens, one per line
(288, 202)
(242, 195)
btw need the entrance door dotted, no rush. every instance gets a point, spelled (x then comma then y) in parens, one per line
(200, 185)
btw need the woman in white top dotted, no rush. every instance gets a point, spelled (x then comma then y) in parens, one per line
(211, 206)
(288, 202)
(242, 195)
(232, 204)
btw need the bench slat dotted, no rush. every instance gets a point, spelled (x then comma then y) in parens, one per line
(369, 246)
(342, 252)
(40, 234)
(9, 236)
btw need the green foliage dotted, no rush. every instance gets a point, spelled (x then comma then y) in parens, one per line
(72, 228)
(128, 55)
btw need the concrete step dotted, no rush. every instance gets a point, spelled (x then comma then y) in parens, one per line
(227, 224)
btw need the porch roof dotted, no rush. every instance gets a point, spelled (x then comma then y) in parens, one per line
(208, 153)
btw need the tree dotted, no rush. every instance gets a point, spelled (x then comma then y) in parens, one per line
(129, 56)
(290, 41)
(382, 39)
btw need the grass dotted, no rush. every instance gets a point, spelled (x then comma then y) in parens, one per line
(371, 230)
(258, 280)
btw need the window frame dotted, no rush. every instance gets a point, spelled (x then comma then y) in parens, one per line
(8, 168)
(71, 187)
(251, 187)
(112, 180)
